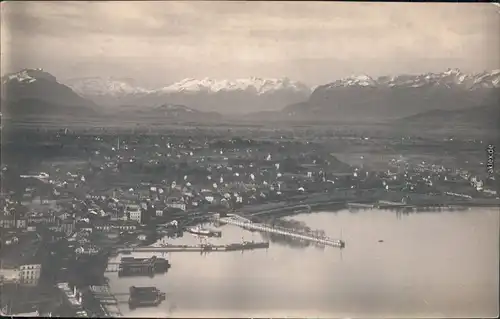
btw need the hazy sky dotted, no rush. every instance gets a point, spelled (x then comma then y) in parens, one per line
(161, 42)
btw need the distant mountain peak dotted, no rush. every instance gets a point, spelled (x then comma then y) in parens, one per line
(203, 94)
(363, 98)
(455, 71)
(253, 84)
(115, 87)
(105, 86)
(449, 78)
(357, 80)
(28, 76)
(35, 91)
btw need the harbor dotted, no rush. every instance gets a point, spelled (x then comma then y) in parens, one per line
(204, 286)
(132, 268)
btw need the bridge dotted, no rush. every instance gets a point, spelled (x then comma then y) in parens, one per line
(315, 237)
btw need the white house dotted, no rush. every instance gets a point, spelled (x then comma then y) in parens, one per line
(181, 206)
(89, 250)
(209, 199)
(30, 273)
(135, 213)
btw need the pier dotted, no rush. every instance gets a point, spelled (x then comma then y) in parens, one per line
(129, 266)
(240, 221)
(197, 248)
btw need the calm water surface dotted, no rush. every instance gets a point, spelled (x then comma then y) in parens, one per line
(430, 265)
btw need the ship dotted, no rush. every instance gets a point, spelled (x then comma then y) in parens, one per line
(130, 266)
(247, 245)
(145, 297)
(204, 232)
(152, 259)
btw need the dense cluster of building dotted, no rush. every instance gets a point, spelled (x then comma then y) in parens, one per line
(112, 190)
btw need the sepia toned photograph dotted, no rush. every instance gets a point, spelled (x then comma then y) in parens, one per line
(249, 159)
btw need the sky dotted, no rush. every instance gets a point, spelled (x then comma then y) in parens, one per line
(157, 43)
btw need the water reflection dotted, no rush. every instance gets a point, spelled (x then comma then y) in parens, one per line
(423, 264)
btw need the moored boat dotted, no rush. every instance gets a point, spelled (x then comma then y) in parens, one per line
(198, 230)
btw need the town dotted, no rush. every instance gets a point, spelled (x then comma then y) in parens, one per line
(71, 198)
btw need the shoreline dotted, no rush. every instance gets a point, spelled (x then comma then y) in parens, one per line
(375, 204)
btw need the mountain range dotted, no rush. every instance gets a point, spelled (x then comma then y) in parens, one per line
(355, 98)
(229, 97)
(363, 98)
(37, 93)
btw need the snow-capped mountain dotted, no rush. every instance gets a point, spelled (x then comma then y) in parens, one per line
(449, 78)
(34, 91)
(354, 98)
(255, 85)
(105, 86)
(226, 96)
(27, 76)
(365, 98)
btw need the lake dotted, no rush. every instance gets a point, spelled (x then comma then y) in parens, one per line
(430, 264)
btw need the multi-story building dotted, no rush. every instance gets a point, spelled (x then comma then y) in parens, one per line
(7, 222)
(30, 273)
(46, 218)
(12, 222)
(178, 205)
(134, 212)
(21, 223)
(116, 225)
(68, 226)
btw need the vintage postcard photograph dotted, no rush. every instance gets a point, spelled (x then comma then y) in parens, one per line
(250, 159)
